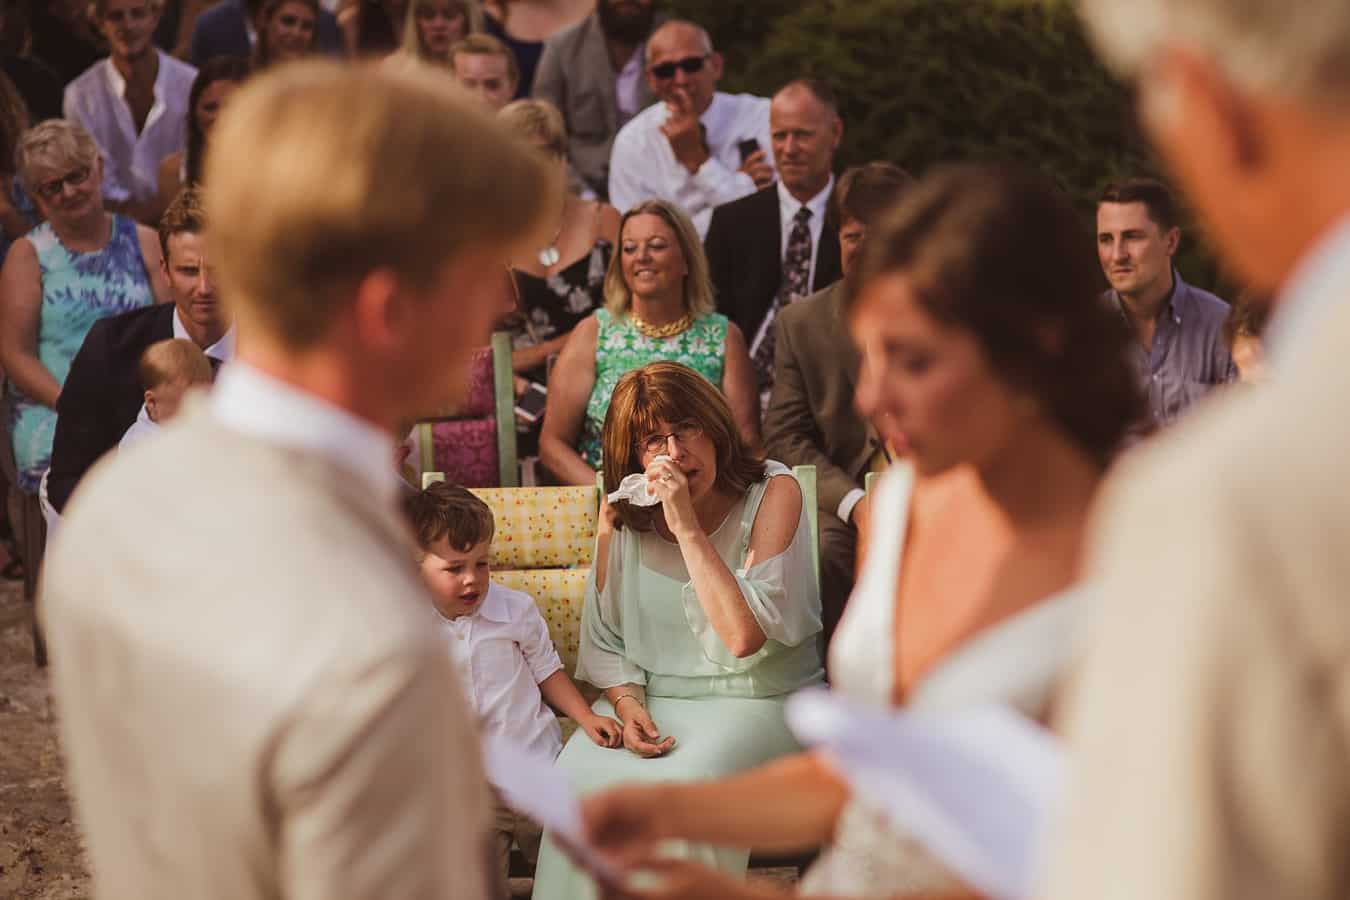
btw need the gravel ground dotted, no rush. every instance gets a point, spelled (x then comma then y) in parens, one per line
(40, 853)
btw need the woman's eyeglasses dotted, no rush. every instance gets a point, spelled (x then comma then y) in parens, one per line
(50, 190)
(684, 433)
(690, 65)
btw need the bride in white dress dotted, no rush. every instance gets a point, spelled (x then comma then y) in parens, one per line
(986, 357)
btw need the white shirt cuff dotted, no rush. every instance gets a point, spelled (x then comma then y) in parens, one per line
(850, 500)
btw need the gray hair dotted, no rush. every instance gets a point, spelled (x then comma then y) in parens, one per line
(57, 145)
(1299, 50)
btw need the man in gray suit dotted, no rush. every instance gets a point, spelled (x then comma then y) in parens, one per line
(253, 699)
(811, 418)
(594, 73)
(1209, 724)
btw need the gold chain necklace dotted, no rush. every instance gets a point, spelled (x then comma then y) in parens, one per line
(670, 329)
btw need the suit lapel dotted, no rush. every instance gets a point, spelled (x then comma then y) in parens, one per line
(596, 50)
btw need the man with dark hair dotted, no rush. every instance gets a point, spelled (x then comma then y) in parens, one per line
(780, 244)
(1181, 350)
(593, 73)
(811, 419)
(102, 394)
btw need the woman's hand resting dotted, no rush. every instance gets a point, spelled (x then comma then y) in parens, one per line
(641, 736)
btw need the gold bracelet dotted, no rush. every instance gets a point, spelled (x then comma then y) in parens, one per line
(620, 698)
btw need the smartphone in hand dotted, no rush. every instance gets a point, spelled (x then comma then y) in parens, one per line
(530, 405)
(747, 147)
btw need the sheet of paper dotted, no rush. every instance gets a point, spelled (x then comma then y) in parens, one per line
(537, 788)
(977, 787)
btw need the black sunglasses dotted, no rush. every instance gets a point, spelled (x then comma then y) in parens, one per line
(690, 64)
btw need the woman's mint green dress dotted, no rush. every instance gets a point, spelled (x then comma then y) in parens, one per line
(620, 348)
(726, 714)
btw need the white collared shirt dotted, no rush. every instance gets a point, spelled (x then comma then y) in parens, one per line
(502, 652)
(788, 206)
(97, 101)
(266, 408)
(643, 167)
(142, 428)
(222, 350)
(1309, 296)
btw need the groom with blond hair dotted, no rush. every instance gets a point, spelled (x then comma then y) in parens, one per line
(251, 701)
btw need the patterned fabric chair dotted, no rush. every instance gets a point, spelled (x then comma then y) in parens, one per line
(544, 544)
(475, 446)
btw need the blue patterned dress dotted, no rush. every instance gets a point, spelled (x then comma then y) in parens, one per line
(78, 289)
(620, 348)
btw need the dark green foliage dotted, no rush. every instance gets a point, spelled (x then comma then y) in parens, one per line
(930, 81)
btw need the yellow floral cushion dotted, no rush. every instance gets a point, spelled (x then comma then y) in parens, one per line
(559, 594)
(542, 527)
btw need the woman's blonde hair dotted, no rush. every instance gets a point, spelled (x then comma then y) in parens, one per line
(698, 291)
(352, 169)
(411, 44)
(671, 393)
(536, 121)
(56, 144)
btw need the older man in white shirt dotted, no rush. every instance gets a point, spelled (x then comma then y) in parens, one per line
(134, 103)
(252, 704)
(698, 147)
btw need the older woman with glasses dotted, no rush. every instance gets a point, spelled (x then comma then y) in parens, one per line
(702, 613)
(80, 265)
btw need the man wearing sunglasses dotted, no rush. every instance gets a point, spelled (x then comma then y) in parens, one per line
(698, 147)
(134, 104)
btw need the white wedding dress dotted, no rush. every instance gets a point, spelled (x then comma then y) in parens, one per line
(1014, 662)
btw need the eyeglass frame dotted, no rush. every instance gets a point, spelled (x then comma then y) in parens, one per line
(691, 65)
(649, 445)
(53, 187)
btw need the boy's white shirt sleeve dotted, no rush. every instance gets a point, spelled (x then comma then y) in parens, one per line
(532, 635)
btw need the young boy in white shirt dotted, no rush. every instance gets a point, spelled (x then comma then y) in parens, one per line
(499, 642)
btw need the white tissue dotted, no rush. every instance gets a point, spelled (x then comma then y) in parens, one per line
(635, 490)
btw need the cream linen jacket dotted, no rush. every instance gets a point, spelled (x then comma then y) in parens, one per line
(253, 702)
(1209, 727)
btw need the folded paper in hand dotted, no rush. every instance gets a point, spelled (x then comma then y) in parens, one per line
(635, 489)
(976, 787)
(534, 786)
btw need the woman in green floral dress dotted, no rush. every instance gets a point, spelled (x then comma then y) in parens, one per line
(658, 306)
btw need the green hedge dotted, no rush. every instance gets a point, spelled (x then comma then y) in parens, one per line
(928, 81)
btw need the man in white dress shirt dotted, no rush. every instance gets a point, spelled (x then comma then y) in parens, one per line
(134, 104)
(254, 702)
(1209, 728)
(698, 147)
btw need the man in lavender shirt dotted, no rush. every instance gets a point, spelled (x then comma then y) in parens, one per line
(1181, 351)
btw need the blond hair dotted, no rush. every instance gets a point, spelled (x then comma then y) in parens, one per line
(536, 120)
(486, 45)
(1294, 50)
(175, 359)
(698, 291)
(57, 145)
(354, 169)
(411, 44)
